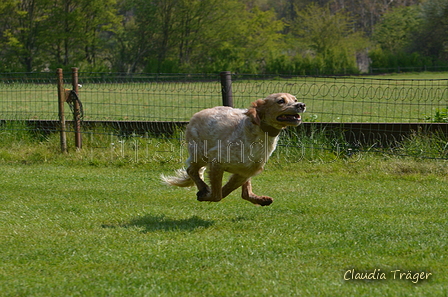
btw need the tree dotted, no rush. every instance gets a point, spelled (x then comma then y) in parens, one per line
(146, 39)
(431, 40)
(262, 39)
(77, 31)
(328, 37)
(394, 32)
(244, 43)
(22, 34)
(212, 35)
(37, 34)
(198, 36)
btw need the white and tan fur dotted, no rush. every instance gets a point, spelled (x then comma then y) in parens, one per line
(238, 141)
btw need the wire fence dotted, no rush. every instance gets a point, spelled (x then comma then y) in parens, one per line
(177, 98)
(369, 112)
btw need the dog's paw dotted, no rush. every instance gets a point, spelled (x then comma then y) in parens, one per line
(203, 194)
(206, 195)
(263, 200)
(259, 200)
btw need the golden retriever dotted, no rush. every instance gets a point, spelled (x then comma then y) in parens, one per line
(238, 141)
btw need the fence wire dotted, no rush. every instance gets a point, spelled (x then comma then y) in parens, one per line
(353, 99)
(393, 109)
(176, 98)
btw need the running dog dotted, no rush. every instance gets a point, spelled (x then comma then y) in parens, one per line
(239, 141)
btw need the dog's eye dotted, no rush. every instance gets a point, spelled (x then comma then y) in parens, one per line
(281, 101)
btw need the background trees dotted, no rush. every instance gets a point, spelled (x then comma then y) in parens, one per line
(283, 36)
(331, 39)
(44, 34)
(432, 38)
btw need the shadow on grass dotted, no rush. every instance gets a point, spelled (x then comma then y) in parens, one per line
(151, 223)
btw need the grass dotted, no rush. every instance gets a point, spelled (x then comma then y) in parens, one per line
(391, 98)
(100, 223)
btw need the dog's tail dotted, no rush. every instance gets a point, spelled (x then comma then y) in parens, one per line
(181, 179)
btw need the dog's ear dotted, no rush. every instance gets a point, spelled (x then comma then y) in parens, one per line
(254, 112)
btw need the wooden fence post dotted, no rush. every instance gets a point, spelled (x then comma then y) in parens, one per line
(61, 101)
(76, 110)
(226, 88)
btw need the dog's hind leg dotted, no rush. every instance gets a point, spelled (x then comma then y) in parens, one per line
(215, 174)
(194, 171)
(248, 195)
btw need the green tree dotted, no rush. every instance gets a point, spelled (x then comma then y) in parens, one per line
(394, 32)
(393, 37)
(36, 34)
(77, 32)
(22, 32)
(204, 30)
(330, 38)
(245, 43)
(432, 39)
(6, 23)
(147, 36)
(197, 35)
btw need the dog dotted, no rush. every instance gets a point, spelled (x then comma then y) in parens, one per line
(238, 141)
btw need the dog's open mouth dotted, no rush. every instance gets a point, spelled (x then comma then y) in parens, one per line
(289, 118)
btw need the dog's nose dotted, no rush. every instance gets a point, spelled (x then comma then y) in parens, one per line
(301, 106)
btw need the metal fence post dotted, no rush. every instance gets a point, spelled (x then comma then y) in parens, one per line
(226, 88)
(76, 110)
(61, 101)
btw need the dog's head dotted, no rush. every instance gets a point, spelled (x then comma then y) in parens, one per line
(277, 110)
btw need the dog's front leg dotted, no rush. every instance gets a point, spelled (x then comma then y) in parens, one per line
(234, 183)
(248, 195)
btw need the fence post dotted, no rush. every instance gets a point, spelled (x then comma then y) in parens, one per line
(226, 88)
(61, 101)
(76, 110)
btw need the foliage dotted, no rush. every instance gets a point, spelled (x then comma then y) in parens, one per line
(412, 36)
(431, 38)
(418, 144)
(440, 116)
(326, 39)
(393, 32)
(195, 37)
(255, 39)
(303, 37)
(320, 42)
(398, 61)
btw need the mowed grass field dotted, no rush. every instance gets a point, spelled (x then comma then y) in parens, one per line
(392, 98)
(98, 222)
(77, 228)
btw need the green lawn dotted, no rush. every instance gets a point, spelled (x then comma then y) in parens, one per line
(392, 98)
(73, 229)
(98, 222)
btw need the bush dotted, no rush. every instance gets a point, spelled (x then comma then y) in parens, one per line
(440, 116)
(403, 61)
